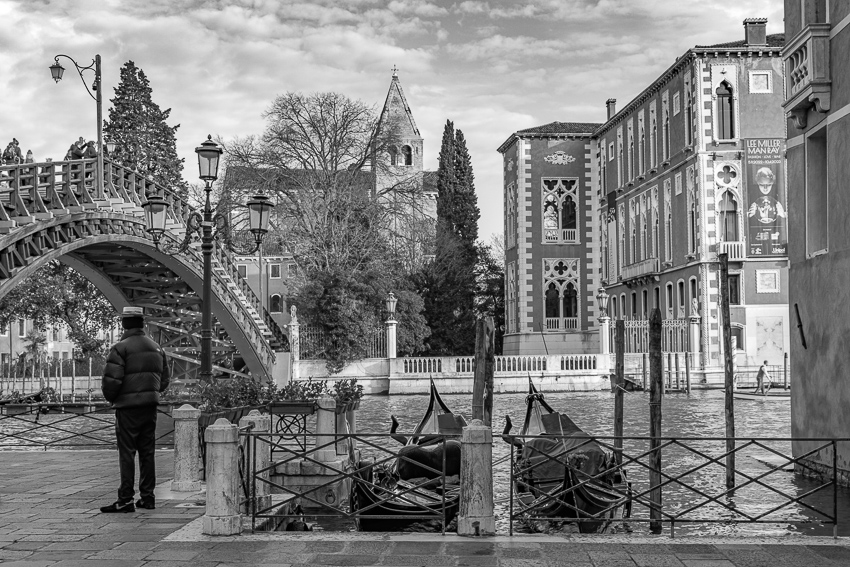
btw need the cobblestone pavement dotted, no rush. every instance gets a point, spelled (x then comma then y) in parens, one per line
(49, 517)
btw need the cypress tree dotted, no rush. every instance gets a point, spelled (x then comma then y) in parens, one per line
(448, 283)
(138, 126)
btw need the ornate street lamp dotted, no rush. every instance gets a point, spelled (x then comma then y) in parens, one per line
(390, 303)
(156, 216)
(56, 72)
(602, 302)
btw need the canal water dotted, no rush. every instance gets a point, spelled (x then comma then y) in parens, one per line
(699, 414)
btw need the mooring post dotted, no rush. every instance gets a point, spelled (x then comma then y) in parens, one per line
(729, 370)
(482, 385)
(261, 458)
(785, 371)
(656, 392)
(678, 374)
(475, 515)
(325, 421)
(687, 372)
(619, 383)
(222, 515)
(643, 368)
(186, 449)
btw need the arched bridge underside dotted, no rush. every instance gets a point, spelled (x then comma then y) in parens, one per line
(55, 211)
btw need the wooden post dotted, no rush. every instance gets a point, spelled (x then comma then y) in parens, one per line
(656, 392)
(482, 386)
(668, 372)
(785, 371)
(729, 370)
(619, 382)
(643, 369)
(688, 372)
(73, 379)
(678, 374)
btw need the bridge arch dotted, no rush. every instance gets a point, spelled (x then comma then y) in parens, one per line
(51, 211)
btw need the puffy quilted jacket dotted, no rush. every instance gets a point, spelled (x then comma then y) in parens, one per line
(136, 371)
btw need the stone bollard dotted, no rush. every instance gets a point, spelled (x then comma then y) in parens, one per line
(325, 418)
(260, 460)
(186, 450)
(475, 516)
(222, 511)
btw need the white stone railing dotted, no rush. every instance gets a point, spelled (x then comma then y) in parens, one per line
(557, 324)
(735, 250)
(641, 268)
(807, 72)
(463, 366)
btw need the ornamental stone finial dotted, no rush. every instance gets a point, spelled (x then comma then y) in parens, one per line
(293, 318)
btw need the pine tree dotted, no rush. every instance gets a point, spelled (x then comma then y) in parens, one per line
(137, 125)
(448, 284)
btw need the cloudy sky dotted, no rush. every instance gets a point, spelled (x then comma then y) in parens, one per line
(493, 67)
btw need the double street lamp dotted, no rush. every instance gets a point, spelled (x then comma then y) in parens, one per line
(57, 71)
(156, 209)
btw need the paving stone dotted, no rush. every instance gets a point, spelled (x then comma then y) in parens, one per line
(655, 560)
(24, 546)
(419, 560)
(471, 548)
(417, 548)
(12, 554)
(97, 563)
(27, 563)
(338, 559)
(834, 552)
(172, 555)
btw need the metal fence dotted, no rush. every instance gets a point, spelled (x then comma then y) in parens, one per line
(314, 343)
(376, 499)
(689, 490)
(674, 335)
(68, 426)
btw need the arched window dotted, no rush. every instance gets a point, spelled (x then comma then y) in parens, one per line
(689, 120)
(275, 304)
(725, 112)
(393, 155)
(641, 149)
(728, 218)
(666, 134)
(552, 299)
(669, 290)
(561, 284)
(653, 133)
(634, 304)
(407, 152)
(570, 302)
(560, 219)
(631, 157)
(614, 307)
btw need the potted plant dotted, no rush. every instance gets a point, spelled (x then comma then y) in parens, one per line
(297, 398)
(347, 394)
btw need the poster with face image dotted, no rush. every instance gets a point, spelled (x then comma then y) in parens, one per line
(767, 219)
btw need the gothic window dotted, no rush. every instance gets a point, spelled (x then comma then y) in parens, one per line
(689, 119)
(275, 304)
(692, 222)
(655, 222)
(666, 135)
(632, 232)
(631, 150)
(560, 218)
(653, 137)
(393, 155)
(644, 229)
(561, 284)
(511, 220)
(620, 157)
(510, 275)
(725, 112)
(668, 223)
(728, 217)
(407, 152)
(641, 148)
(669, 294)
(621, 234)
(604, 243)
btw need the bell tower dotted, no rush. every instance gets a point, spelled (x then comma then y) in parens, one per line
(407, 154)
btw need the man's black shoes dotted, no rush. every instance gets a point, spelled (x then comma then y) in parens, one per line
(146, 503)
(118, 507)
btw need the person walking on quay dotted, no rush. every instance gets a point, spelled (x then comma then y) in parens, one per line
(136, 372)
(763, 379)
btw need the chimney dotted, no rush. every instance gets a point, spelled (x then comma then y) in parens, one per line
(755, 30)
(611, 104)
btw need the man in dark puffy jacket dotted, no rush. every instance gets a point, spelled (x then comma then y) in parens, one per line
(136, 372)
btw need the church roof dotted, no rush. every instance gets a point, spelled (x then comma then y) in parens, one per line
(562, 128)
(396, 104)
(773, 40)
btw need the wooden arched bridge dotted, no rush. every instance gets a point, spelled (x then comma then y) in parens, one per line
(56, 211)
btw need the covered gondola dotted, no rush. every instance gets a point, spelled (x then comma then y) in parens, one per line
(411, 489)
(561, 474)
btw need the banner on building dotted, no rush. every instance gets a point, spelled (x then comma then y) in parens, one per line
(767, 218)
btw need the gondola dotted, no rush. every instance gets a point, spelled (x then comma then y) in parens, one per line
(408, 488)
(562, 474)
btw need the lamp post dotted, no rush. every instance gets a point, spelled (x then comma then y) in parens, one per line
(259, 207)
(390, 303)
(604, 322)
(56, 71)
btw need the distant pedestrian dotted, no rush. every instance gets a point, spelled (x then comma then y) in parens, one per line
(136, 372)
(763, 379)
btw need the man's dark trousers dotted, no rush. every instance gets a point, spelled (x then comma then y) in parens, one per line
(135, 429)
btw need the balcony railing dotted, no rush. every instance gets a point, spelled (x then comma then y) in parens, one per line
(557, 324)
(807, 72)
(735, 250)
(642, 268)
(567, 235)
